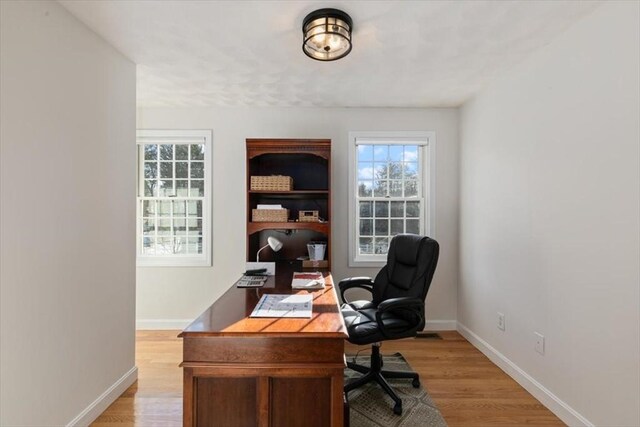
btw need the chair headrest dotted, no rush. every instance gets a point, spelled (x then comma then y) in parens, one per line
(405, 248)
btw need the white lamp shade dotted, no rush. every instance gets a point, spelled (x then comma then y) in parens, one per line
(274, 243)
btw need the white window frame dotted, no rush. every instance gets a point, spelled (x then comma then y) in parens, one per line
(427, 141)
(162, 136)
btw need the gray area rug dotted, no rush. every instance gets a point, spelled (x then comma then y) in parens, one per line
(370, 405)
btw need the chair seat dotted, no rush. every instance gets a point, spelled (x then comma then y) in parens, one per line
(360, 319)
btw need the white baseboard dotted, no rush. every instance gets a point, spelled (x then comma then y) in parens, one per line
(441, 325)
(562, 410)
(98, 406)
(159, 324)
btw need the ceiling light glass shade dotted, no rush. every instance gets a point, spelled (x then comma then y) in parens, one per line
(327, 34)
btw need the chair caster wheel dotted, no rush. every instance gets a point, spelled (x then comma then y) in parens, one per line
(415, 383)
(397, 409)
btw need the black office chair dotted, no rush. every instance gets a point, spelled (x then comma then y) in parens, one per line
(396, 310)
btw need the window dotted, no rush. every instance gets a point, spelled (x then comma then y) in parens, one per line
(390, 190)
(174, 198)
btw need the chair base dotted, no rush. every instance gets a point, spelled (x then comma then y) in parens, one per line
(375, 373)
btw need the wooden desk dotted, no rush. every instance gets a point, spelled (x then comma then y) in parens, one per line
(241, 371)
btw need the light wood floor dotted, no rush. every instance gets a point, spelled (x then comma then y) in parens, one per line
(468, 389)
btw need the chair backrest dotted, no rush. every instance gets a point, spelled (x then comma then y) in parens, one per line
(411, 263)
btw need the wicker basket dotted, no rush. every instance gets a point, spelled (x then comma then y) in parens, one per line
(308, 216)
(271, 183)
(270, 215)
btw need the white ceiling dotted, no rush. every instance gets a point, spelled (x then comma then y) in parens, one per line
(248, 53)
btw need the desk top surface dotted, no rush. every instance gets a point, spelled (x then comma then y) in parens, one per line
(229, 315)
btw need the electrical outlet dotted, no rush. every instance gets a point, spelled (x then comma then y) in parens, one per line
(501, 324)
(539, 343)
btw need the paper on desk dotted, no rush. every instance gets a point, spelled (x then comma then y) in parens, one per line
(278, 305)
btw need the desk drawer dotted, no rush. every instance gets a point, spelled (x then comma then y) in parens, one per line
(256, 350)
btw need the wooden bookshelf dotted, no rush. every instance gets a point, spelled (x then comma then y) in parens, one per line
(292, 192)
(321, 227)
(308, 162)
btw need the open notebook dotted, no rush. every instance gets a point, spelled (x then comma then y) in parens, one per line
(278, 305)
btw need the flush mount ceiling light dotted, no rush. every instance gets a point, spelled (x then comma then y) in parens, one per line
(327, 34)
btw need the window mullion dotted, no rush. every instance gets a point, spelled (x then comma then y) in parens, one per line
(189, 174)
(403, 176)
(156, 219)
(172, 234)
(388, 173)
(156, 191)
(141, 170)
(173, 168)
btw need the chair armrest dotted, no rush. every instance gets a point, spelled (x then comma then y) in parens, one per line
(355, 282)
(414, 305)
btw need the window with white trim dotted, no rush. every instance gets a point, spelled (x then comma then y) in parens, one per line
(174, 198)
(390, 188)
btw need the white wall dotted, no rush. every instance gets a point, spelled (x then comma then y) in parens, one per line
(67, 184)
(183, 293)
(550, 217)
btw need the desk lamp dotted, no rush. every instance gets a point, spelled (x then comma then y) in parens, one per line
(272, 242)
